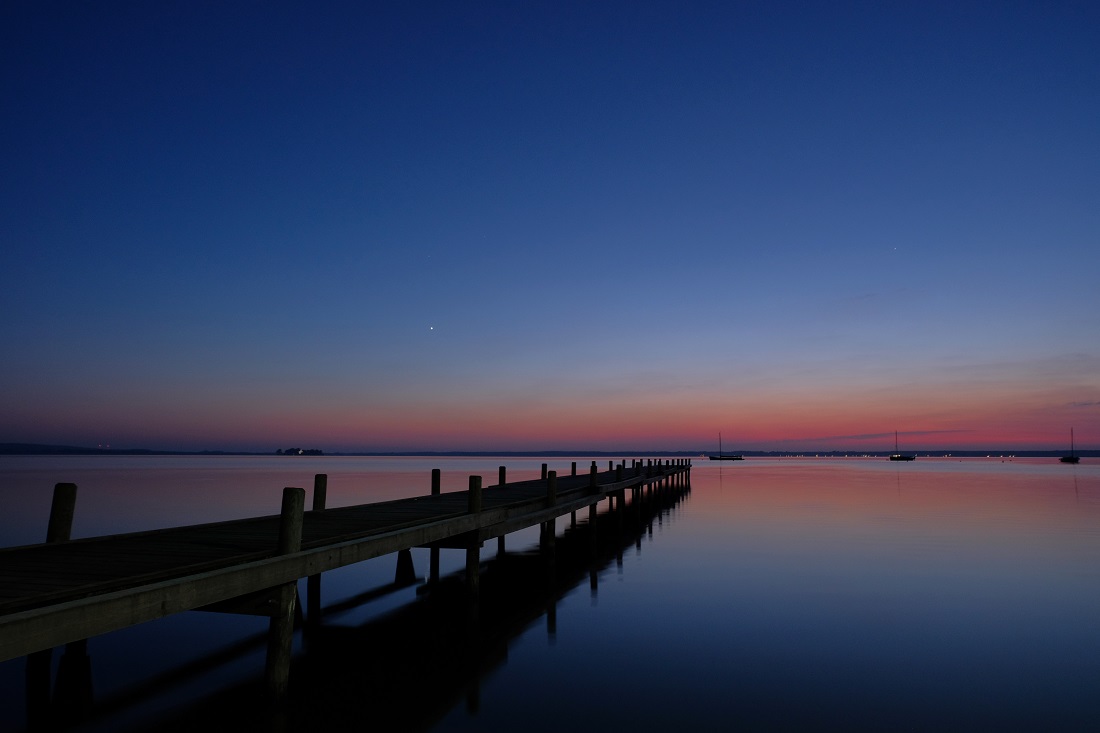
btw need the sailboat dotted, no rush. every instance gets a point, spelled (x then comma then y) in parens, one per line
(722, 456)
(1072, 457)
(898, 456)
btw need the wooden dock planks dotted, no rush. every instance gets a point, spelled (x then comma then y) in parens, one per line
(129, 578)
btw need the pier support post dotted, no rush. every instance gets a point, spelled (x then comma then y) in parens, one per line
(39, 669)
(548, 531)
(502, 474)
(73, 691)
(473, 570)
(320, 491)
(405, 574)
(38, 676)
(473, 505)
(552, 620)
(501, 478)
(549, 527)
(433, 552)
(280, 633)
(592, 514)
(473, 552)
(62, 511)
(313, 582)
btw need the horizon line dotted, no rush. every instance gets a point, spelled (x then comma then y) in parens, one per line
(50, 449)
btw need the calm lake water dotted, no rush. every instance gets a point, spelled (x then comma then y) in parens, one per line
(795, 594)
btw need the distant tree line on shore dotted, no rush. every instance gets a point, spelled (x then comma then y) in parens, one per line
(300, 452)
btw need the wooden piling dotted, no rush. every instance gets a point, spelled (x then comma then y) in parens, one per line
(280, 634)
(544, 472)
(433, 552)
(592, 513)
(405, 573)
(473, 505)
(62, 511)
(320, 491)
(548, 531)
(549, 527)
(73, 689)
(473, 568)
(38, 676)
(313, 582)
(39, 669)
(502, 474)
(473, 552)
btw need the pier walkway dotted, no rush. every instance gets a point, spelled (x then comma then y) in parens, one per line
(66, 591)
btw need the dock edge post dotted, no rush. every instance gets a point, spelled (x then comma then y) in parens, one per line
(280, 635)
(473, 550)
(313, 582)
(39, 668)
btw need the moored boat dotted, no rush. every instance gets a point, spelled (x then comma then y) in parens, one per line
(723, 456)
(1072, 457)
(898, 456)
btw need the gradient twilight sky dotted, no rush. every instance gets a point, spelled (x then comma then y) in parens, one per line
(550, 225)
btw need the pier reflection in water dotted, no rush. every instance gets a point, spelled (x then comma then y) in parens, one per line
(407, 668)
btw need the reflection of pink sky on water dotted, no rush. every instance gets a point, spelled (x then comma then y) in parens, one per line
(829, 528)
(979, 491)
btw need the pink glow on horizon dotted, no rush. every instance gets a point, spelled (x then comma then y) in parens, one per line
(747, 423)
(1005, 411)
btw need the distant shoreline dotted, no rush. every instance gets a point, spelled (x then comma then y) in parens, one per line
(35, 449)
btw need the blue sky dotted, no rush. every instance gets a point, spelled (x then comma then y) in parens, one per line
(373, 226)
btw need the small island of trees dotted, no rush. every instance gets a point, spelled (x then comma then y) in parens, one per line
(300, 452)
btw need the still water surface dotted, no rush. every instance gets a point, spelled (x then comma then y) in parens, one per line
(796, 594)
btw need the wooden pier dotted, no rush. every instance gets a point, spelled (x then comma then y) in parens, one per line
(64, 592)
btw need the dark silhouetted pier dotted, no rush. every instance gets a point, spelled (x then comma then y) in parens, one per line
(65, 591)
